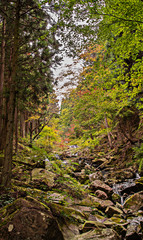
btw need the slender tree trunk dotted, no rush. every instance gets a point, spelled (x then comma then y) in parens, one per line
(7, 167)
(22, 124)
(26, 124)
(2, 70)
(31, 133)
(108, 133)
(16, 129)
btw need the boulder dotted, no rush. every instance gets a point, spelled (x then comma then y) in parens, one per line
(98, 162)
(81, 176)
(100, 185)
(96, 202)
(89, 225)
(43, 175)
(99, 234)
(110, 211)
(100, 194)
(69, 230)
(116, 197)
(135, 202)
(28, 219)
(134, 229)
(96, 176)
(56, 197)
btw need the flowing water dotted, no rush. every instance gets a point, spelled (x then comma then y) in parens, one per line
(126, 188)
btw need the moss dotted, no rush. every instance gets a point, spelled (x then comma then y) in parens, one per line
(67, 212)
(8, 218)
(140, 180)
(92, 224)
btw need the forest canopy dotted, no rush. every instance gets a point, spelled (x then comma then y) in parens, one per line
(106, 35)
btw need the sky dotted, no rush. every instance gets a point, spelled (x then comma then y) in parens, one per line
(73, 68)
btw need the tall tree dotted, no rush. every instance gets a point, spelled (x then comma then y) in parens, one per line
(30, 52)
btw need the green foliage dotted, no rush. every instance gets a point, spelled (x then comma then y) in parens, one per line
(5, 199)
(112, 78)
(139, 157)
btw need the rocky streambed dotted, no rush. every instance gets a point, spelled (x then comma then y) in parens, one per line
(75, 198)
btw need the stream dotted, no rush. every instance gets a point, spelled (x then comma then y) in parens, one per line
(126, 188)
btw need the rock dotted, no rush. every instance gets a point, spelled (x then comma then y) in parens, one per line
(110, 211)
(96, 202)
(120, 175)
(100, 194)
(44, 176)
(69, 230)
(135, 202)
(84, 209)
(98, 162)
(100, 185)
(96, 176)
(134, 230)
(116, 197)
(28, 219)
(81, 176)
(99, 234)
(89, 225)
(56, 197)
(67, 213)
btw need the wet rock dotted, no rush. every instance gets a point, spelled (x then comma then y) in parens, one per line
(135, 202)
(100, 185)
(28, 219)
(100, 194)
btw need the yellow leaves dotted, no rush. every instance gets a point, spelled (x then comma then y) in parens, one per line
(92, 52)
(33, 117)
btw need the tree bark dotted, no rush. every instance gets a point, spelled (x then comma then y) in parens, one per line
(16, 129)
(22, 124)
(8, 151)
(108, 133)
(2, 77)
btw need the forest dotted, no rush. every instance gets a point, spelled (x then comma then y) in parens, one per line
(71, 170)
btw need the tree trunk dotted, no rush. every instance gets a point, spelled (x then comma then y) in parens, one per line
(8, 151)
(2, 78)
(108, 133)
(16, 129)
(22, 124)
(31, 133)
(26, 124)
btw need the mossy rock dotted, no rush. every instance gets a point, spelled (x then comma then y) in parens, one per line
(69, 213)
(89, 225)
(96, 202)
(110, 211)
(28, 219)
(135, 202)
(99, 234)
(116, 197)
(139, 181)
